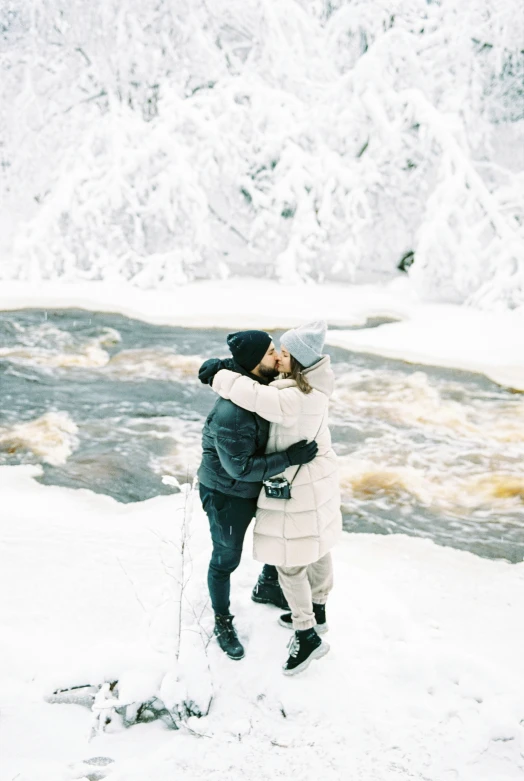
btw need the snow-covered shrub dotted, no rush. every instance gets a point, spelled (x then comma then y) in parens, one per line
(166, 141)
(167, 677)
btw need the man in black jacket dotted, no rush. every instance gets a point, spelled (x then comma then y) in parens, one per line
(234, 464)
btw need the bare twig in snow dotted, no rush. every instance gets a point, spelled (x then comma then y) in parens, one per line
(133, 586)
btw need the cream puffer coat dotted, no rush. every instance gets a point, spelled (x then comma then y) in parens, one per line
(300, 530)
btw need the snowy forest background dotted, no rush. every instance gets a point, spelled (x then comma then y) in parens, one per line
(170, 140)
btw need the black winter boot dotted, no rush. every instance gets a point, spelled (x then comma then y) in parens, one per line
(320, 617)
(227, 637)
(304, 646)
(268, 592)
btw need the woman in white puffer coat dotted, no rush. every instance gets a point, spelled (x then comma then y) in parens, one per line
(297, 534)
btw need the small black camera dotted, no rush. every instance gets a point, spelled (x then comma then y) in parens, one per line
(277, 488)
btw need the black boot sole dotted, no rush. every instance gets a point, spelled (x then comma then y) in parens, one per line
(234, 658)
(318, 653)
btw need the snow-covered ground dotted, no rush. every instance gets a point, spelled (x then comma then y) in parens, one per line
(423, 680)
(491, 343)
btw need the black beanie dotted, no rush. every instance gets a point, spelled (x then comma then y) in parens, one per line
(248, 347)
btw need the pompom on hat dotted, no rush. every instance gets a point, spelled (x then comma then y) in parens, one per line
(306, 342)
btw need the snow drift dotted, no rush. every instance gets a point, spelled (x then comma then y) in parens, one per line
(423, 679)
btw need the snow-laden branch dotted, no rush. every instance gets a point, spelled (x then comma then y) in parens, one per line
(163, 142)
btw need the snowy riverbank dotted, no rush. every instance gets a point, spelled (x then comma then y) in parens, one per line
(423, 679)
(491, 343)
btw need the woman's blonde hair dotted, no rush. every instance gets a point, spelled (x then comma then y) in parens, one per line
(296, 374)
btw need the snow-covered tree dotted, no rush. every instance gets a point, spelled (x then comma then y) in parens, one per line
(171, 140)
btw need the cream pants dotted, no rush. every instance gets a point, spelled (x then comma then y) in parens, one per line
(304, 586)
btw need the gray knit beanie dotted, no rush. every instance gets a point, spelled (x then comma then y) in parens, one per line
(306, 342)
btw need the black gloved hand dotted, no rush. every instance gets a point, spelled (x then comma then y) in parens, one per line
(302, 453)
(206, 373)
(208, 370)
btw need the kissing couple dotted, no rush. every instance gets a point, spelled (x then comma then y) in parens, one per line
(267, 455)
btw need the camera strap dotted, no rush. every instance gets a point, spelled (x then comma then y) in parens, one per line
(314, 438)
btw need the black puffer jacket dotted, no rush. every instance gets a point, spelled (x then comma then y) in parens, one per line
(234, 442)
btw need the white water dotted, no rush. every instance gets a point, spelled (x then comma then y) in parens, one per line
(421, 451)
(52, 438)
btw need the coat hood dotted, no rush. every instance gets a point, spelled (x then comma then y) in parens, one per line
(320, 376)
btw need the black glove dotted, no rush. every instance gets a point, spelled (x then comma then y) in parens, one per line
(206, 373)
(302, 453)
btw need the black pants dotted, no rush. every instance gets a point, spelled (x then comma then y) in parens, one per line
(229, 517)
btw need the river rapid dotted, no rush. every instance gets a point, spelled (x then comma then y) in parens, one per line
(113, 404)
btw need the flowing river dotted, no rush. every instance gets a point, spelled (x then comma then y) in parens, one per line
(113, 404)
